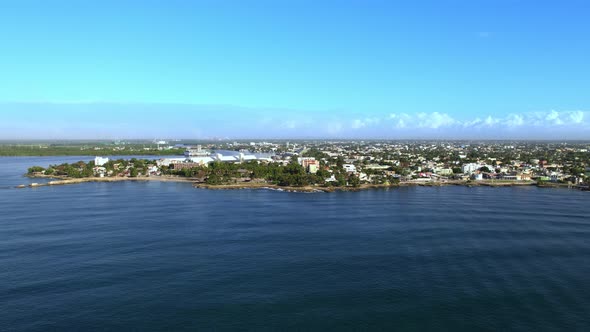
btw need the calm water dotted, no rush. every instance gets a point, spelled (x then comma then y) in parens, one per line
(166, 256)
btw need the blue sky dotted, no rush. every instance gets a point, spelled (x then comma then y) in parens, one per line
(248, 69)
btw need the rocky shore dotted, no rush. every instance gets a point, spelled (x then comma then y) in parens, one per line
(363, 186)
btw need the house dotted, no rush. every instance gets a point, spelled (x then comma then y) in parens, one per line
(350, 168)
(99, 171)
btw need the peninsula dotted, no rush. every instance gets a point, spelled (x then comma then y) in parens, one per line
(348, 165)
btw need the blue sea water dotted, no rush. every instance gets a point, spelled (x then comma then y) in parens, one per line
(151, 256)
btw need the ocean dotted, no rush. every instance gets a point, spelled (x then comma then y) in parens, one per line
(159, 256)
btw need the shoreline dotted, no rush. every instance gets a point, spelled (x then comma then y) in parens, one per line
(58, 181)
(61, 181)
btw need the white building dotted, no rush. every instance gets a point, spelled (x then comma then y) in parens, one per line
(99, 161)
(470, 168)
(349, 168)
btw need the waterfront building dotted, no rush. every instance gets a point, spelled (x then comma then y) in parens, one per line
(100, 161)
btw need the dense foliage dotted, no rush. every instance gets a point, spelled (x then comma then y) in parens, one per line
(133, 168)
(292, 174)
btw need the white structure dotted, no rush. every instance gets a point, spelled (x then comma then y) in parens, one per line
(349, 168)
(196, 152)
(470, 168)
(204, 157)
(99, 161)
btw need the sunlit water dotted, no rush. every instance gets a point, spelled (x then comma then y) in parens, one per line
(166, 256)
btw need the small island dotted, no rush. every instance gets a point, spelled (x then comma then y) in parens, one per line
(318, 168)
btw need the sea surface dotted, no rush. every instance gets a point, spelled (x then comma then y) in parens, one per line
(155, 256)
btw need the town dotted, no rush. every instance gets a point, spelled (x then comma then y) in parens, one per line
(353, 164)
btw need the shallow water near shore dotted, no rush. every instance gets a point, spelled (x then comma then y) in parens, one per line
(167, 256)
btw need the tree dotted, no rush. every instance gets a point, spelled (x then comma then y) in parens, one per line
(340, 179)
(485, 169)
(133, 172)
(213, 179)
(36, 169)
(354, 181)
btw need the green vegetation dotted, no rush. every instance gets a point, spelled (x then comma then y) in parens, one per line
(18, 150)
(217, 173)
(485, 169)
(36, 169)
(81, 169)
(292, 174)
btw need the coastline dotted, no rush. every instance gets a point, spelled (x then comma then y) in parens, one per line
(365, 186)
(58, 181)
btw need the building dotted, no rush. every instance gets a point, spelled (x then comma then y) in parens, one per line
(444, 171)
(350, 168)
(99, 171)
(470, 168)
(196, 152)
(100, 161)
(310, 164)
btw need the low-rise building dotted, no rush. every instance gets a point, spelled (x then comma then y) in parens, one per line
(100, 161)
(470, 168)
(350, 168)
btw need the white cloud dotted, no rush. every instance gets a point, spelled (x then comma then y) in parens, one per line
(400, 120)
(553, 117)
(575, 116)
(514, 120)
(358, 123)
(432, 120)
(437, 120)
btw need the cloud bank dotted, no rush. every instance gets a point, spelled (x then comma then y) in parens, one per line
(94, 120)
(436, 120)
